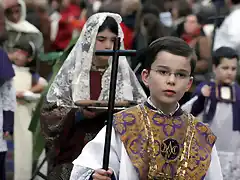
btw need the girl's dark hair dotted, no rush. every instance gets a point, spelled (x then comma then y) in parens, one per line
(155, 29)
(223, 52)
(150, 8)
(111, 24)
(183, 8)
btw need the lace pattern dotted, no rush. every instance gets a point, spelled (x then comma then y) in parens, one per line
(7, 103)
(8, 96)
(81, 173)
(72, 81)
(230, 164)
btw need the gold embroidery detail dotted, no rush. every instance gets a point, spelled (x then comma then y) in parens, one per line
(169, 149)
(143, 139)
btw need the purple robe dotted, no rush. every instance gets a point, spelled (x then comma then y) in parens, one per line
(6, 69)
(6, 74)
(199, 105)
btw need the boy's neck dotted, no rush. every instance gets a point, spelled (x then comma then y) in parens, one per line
(218, 82)
(165, 108)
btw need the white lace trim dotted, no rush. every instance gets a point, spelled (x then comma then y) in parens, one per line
(72, 81)
(230, 164)
(81, 173)
(7, 103)
(8, 96)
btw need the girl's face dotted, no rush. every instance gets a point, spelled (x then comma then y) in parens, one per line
(55, 4)
(21, 58)
(191, 24)
(13, 13)
(105, 41)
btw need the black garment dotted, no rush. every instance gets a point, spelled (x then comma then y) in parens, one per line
(2, 165)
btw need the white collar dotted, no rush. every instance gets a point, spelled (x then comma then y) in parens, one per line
(159, 110)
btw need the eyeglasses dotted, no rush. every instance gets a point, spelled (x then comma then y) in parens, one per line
(166, 73)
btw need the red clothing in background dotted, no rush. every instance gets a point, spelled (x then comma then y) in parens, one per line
(65, 29)
(128, 36)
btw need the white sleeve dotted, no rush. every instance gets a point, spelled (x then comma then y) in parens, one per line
(214, 171)
(228, 33)
(43, 81)
(81, 173)
(188, 105)
(91, 157)
(8, 94)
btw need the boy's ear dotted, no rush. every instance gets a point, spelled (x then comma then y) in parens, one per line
(214, 67)
(145, 76)
(189, 84)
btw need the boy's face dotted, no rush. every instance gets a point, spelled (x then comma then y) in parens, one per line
(226, 71)
(21, 58)
(168, 79)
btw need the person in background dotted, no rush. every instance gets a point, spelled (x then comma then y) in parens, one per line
(28, 85)
(229, 32)
(217, 103)
(37, 14)
(148, 28)
(180, 9)
(19, 30)
(129, 12)
(84, 76)
(193, 34)
(7, 103)
(7, 108)
(63, 29)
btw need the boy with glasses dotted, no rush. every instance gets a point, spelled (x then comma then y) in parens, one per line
(156, 139)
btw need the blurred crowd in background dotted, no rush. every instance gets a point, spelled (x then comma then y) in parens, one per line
(34, 31)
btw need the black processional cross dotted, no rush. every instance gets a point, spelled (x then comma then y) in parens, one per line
(115, 53)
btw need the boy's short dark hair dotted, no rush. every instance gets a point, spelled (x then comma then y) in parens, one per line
(172, 45)
(223, 52)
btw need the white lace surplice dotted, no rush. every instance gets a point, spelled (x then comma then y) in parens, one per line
(7, 103)
(228, 141)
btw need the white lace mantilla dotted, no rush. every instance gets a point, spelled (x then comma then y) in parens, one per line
(72, 81)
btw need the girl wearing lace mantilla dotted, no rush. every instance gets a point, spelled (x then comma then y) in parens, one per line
(84, 76)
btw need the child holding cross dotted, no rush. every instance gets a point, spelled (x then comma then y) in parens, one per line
(84, 76)
(156, 139)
